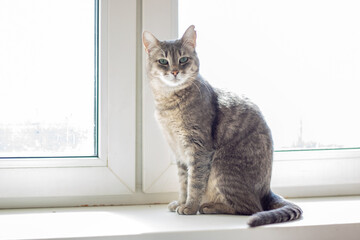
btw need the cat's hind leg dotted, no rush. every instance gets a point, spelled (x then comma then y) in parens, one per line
(216, 208)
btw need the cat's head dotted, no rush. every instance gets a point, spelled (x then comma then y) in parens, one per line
(174, 63)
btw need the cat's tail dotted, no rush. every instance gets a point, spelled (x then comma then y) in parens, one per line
(277, 210)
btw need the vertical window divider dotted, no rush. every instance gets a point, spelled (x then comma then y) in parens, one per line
(96, 76)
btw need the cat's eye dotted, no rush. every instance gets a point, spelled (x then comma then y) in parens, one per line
(163, 61)
(183, 59)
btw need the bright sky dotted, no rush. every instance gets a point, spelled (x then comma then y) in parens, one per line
(298, 60)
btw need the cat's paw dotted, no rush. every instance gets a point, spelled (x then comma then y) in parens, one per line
(173, 206)
(184, 209)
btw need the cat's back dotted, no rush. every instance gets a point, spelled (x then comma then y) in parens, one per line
(237, 118)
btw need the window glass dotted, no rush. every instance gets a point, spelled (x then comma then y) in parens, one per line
(297, 60)
(48, 78)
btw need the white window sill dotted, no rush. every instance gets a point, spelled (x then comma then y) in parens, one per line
(324, 218)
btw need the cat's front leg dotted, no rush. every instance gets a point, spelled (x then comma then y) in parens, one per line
(198, 175)
(183, 180)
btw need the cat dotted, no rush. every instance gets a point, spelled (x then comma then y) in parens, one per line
(222, 144)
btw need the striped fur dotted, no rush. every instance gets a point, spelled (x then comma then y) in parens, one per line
(278, 210)
(222, 144)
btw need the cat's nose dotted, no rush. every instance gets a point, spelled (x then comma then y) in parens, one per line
(175, 72)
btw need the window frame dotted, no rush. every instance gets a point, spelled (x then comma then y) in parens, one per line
(48, 182)
(139, 168)
(294, 172)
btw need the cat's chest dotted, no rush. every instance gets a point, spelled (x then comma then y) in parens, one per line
(173, 125)
(175, 131)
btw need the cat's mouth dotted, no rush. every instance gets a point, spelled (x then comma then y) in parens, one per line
(172, 81)
(175, 78)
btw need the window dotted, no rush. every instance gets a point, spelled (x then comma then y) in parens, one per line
(133, 163)
(49, 78)
(297, 62)
(98, 176)
(301, 71)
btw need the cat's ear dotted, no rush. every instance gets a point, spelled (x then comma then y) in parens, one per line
(189, 37)
(149, 41)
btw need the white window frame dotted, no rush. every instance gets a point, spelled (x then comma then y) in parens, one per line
(106, 179)
(135, 165)
(295, 173)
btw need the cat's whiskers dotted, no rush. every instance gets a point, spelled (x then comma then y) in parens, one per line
(207, 88)
(194, 83)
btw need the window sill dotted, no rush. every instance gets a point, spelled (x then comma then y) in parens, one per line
(324, 218)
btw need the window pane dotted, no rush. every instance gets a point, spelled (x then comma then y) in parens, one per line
(47, 94)
(298, 60)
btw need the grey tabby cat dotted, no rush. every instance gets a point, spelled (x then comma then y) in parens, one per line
(222, 144)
